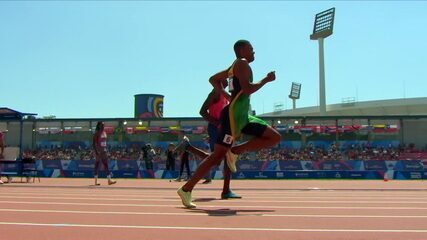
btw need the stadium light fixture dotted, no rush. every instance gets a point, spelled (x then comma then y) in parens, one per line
(323, 28)
(295, 93)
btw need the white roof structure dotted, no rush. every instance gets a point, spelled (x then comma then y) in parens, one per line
(391, 107)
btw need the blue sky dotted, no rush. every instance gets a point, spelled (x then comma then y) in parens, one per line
(78, 59)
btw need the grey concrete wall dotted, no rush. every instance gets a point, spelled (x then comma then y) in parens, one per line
(415, 131)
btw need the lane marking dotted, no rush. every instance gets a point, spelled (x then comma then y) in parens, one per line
(211, 206)
(216, 214)
(64, 225)
(255, 191)
(203, 192)
(175, 198)
(246, 196)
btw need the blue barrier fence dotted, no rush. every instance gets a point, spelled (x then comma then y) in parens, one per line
(355, 169)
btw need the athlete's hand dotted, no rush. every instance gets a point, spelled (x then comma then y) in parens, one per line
(271, 76)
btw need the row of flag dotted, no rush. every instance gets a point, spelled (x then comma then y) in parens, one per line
(378, 128)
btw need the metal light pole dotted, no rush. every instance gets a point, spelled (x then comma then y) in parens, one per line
(295, 93)
(323, 26)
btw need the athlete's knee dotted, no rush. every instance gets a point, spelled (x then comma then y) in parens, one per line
(272, 135)
(276, 137)
(216, 161)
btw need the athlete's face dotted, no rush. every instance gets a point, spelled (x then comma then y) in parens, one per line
(248, 53)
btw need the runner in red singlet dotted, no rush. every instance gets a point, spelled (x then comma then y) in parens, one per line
(100, 148)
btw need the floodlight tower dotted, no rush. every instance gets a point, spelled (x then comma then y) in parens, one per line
(295, 93)
(323, 26)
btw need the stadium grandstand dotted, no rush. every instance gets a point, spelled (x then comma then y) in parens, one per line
(379, 134)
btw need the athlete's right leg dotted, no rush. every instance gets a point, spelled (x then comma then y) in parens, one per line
(96, 169)
(227, 179)
(104, 161)
(213, 135)
(226, 191)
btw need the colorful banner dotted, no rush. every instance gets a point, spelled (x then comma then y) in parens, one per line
(405, 169)
(148, 106)
(375, 165)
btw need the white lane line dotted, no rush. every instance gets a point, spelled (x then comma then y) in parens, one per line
(175, 198)
(31, 194)
(202, 193)
(206, 214)
(211, 206)
(103, 212)
(143, 192)
(213, 228)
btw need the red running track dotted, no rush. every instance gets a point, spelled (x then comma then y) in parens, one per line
(270, 209)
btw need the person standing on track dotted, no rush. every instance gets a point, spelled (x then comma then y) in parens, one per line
(235, 118)
(185, 162)
(170, 157)
(1, 151)
(100, 147)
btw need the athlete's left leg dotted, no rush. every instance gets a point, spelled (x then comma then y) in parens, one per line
(269, 138)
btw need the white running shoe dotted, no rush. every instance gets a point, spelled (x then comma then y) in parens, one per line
(186, 198)
(231, 161)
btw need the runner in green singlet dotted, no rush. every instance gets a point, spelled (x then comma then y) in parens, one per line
(235, 119)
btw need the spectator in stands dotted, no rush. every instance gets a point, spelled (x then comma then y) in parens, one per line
(350, 152)
(148, 154)
(184, 162)
(171, 156)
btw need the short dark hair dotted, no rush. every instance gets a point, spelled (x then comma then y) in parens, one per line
(98, 125)
(239, 44)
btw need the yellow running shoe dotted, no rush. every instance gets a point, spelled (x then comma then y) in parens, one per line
(186, 198)
(231, 161)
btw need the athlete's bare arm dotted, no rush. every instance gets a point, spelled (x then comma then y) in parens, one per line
(95, 142)
(217, 82)
(243, 72)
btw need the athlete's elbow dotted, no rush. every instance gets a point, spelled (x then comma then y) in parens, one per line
(212, 80)
(202, 113)
(247, 91)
